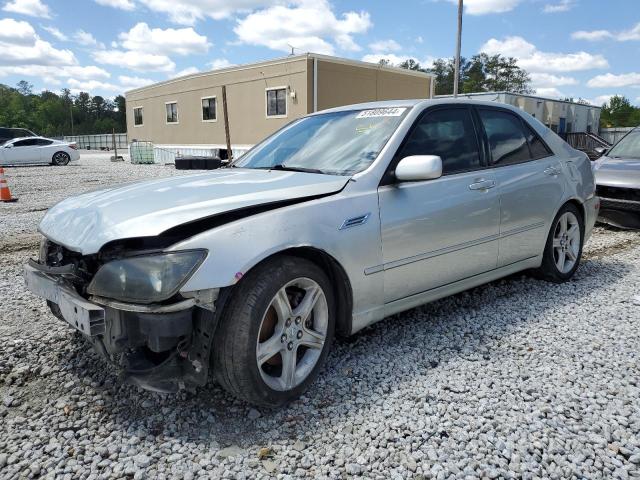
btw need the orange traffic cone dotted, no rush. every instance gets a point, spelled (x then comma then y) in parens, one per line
(5, 193)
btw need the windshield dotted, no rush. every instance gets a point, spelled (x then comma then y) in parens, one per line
(338, 143)
(628, 147)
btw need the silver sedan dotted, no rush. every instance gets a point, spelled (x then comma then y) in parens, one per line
(340, 219)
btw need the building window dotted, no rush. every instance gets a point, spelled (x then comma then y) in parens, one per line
(277, 102)
(137, 117)
(172, 112)
(209, 109)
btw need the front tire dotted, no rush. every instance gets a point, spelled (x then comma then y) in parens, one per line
(60, 159)
(275, 332)
(563, 250)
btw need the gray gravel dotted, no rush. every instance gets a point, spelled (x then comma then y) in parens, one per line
(515, 379)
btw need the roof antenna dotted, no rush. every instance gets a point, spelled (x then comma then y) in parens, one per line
(292, 49)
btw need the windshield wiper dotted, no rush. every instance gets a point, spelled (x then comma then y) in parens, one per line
(284, 167)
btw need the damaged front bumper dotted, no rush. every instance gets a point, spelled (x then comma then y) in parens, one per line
(158, 347)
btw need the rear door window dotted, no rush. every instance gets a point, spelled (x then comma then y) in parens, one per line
(538, 148)
(448, 133)
(25, 143)
(507, 140)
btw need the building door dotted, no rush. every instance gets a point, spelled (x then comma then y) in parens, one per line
(562, 126)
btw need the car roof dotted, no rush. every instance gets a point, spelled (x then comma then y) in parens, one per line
(17, 139)
(410, 103)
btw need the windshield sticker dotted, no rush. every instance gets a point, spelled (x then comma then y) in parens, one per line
(381, 112)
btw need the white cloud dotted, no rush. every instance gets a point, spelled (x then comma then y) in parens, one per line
(91, 85)
(218, 63)
(550, 92)
(20, 45)
(385, 46)
(534, 60)
(90, 72)
(186, 71)
(135, 60)
(86, 39)
(419, 39)
(16, 32)
(609, 80)
(134, 82)
(183, 41)
(592, 36)
(56, 33)
(310, 25)
(596, 35)
(483, 7)
(33, 8)
(121, 4)
(187, 12)
(549, 80)
(601, 100)
(562, 6)
(631, 34)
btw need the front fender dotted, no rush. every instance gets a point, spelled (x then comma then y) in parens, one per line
(235, 248)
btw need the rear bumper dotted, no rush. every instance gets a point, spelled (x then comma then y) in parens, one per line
(591, 208)
(161, 351)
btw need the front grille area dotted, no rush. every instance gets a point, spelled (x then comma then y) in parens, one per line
(85, 267)
(617, 193)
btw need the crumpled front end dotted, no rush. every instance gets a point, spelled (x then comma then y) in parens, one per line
(162, 346)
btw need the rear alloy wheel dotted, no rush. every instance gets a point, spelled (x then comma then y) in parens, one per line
(563, 249)
(60, 158)
(275, 332)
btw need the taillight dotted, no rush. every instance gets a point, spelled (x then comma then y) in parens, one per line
(73, 145)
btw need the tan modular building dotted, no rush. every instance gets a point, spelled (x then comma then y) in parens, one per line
(559, 115)
(186, 113)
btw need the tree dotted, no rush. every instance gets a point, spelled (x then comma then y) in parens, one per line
(482, 73)
(49, 114)
(619, 112)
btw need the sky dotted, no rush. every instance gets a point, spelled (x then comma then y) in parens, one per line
(572, 48)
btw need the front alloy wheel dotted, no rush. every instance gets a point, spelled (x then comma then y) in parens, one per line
(292, 334)
(275, 332)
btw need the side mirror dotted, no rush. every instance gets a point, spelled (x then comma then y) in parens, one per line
(600, 150)
(419, 167)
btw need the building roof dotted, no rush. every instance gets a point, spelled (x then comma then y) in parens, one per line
(545, 99)
(288, 59)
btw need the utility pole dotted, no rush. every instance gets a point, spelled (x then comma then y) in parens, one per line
(71, 115)
(226, 123)
(456, 76)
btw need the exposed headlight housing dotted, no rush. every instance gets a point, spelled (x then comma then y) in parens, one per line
(146, 278)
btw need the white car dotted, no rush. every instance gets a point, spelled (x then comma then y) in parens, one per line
(29, 150)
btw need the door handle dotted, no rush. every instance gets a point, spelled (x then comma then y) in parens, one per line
(482, 184)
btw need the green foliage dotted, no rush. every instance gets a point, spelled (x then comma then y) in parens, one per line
(49, 114)
(482, 73)
(619, 112)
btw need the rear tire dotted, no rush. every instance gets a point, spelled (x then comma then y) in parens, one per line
(60, 159)
(563, 250)
(275, 332)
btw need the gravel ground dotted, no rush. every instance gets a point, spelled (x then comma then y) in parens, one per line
(516, 379)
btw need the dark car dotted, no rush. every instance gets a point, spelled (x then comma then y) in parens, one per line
(618, 182)
(7, 134)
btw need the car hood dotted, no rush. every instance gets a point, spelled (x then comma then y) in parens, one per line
(618, 172)
(87, 222)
